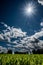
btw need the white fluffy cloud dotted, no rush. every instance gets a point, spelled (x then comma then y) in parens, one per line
(11, 32)
(24, 42)
(4, 24)
(40, 1)
(1, 37)
(38, 34)
(41, 23)
(3, 49)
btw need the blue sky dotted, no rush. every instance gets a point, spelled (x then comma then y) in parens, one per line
(11, 14)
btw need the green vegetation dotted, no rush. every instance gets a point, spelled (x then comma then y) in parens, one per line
(21, 59)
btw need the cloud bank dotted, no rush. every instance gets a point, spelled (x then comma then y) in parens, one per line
(20, 39)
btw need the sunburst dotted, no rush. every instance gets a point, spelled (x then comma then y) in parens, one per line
(30, 9)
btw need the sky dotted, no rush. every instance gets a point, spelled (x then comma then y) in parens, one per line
(17, 28)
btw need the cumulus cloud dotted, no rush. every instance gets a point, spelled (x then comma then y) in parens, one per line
(24, 42)
(38, 34)
(41, 23)
(40, 1)
(11, 32)
(42, 29)
(3, 49)
(1, 37)
(4, 24)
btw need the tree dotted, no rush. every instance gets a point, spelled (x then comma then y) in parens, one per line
(9, 51)
(38, 51)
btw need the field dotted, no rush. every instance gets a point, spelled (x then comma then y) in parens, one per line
(21, 59)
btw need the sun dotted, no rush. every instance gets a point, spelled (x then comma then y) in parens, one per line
(30, 9)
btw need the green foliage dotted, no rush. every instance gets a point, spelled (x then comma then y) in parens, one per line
(21, 59)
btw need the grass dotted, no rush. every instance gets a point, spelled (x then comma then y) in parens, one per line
(21, 59)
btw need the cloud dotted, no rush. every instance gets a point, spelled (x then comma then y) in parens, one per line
(11, 32)
(33, 40)
(3, 49)
(38, 34)
(21, 40)
(40, 1)
(4, 24)
(41, 23)
(42, 29)
(1, 37)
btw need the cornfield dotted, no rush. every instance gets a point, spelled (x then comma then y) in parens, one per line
(21, 59)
